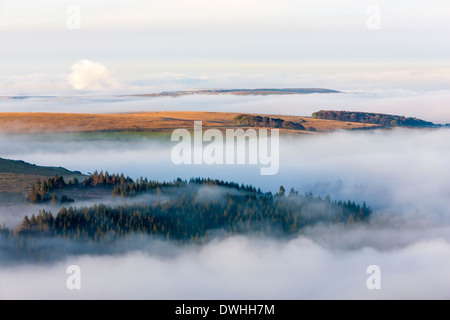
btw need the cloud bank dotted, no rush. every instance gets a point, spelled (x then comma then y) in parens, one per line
(402, 174)
(243, 268)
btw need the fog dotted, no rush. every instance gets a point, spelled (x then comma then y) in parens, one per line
(426, 105)
(402, 174)
(12, 214)
(389, 169)
(242, 268)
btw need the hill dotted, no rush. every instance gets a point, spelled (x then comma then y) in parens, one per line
(381, 119)
(161, 122)
(17, 177)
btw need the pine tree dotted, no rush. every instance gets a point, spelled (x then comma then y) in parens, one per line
(95, 178)
(45, 187)
(26, 225)
(101, 178)
(281, 193)
(54, 198)
(293, 193)
(34, 195)
(116, 191)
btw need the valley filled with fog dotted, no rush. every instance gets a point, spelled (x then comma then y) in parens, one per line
(402, 174)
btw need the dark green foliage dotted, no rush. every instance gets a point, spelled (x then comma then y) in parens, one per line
(282, 192)
(35, 195)
(267, 122)
(66, 199)
(40, 190)
(74, 181)
(182, 211)
(228, 208)
(4, 231)
(373, 118)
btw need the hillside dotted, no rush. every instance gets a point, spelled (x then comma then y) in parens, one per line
(386, 120)
(162, 122)
(16, 177)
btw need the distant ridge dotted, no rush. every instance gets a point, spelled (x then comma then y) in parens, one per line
(241, 92)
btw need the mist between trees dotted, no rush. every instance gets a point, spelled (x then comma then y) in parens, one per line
(188, 212)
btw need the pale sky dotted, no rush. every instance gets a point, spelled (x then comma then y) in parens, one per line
(42, 41)
(258, 15)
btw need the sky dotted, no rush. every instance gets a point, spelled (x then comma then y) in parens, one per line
(74, 47)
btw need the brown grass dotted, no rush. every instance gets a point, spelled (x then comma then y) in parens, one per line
(18, 176)
(163, 121)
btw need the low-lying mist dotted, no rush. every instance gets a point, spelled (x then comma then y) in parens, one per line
(403, 171)
(402, 174)
(427, 105)
(242, 268)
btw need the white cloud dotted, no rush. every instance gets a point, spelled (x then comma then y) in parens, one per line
(89, 75)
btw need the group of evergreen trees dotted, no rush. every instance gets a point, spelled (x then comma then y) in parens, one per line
(184, 211)
(125, 186)
(268, 122)
(118, 183)
(44, 191)
(187, 216)
(374, 118)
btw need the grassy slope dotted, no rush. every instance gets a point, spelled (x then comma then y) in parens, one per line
(161, 122)
(16, 177)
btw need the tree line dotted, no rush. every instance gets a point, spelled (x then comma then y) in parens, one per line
(373, 118)
(43, 191)
(187, 216)
(182, 211)
(269, 122)
(121, 186)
